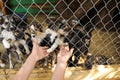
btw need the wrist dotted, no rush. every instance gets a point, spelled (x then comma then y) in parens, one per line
(62, 64)
(33, 57)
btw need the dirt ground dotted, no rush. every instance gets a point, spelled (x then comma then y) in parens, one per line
(109, 72)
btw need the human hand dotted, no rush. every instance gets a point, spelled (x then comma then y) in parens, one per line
(37, 51)
(64, 54)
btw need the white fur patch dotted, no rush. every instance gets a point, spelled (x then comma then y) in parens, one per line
(53, 34)
(4, 26)
(32, 27)
(2, 65)
(5, 43)
(8, 35)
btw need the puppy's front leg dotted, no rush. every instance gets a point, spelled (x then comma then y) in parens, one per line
(54, 46)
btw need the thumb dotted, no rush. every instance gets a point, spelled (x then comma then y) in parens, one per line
(71, 50)
(35, 41)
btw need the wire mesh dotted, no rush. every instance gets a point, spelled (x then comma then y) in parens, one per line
(99, 20)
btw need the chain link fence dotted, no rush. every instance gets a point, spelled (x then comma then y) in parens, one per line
(96, 30)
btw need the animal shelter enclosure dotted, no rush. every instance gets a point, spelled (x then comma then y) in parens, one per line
(91, 27)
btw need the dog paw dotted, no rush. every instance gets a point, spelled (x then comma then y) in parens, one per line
(11, 67)
(49, 51)
(28, 52)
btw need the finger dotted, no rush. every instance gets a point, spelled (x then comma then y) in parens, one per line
(60, 53)
(45, 47)
(67, 48)
(71, 50)
(61, 47)
(35, 41)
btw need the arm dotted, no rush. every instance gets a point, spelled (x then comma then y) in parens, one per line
(59, 71)
(62, 59)
(26, 69)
